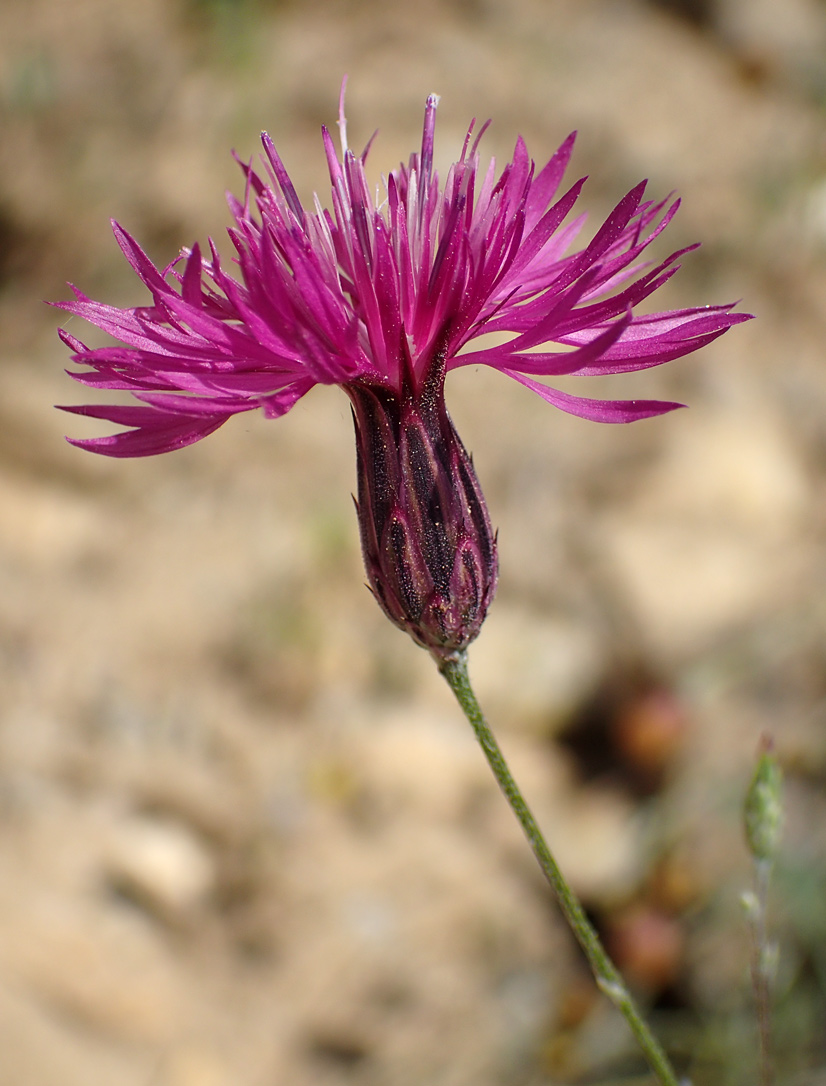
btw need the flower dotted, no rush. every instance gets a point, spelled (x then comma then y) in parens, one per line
(357, 294)
(384, 298)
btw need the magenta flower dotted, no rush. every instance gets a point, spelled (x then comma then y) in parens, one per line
(384, 298)
(364, 293)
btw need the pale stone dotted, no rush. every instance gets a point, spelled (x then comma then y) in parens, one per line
(46, 527)
(734, 467)
(687, 585)
(712, 537)
(161, 864)
(791, 34)
(96, 964)
(191, 1066)
(423, 763)
(531, 669)
(43, 1049)
(597, 841)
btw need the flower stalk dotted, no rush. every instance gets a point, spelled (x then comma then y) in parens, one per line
(763, 824)
(607, 976)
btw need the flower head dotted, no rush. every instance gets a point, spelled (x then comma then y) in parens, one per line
(384, 297)
(371, 292)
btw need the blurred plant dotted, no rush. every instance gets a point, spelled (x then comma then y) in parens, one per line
(30, 83)
(230, 29)
(384, 299)
(763, 820)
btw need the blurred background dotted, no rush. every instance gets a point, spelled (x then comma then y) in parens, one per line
(245, 836)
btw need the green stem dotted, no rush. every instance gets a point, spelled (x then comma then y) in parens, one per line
(761, 971)
(607, 976)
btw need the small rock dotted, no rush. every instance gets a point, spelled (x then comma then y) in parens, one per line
(532, 669)
(427, 765)
(597, 842)
(787, 39)
(194, 1067)
(97, 966)
(738, 469)
(648, 946)
(160, 865)
(650, 731)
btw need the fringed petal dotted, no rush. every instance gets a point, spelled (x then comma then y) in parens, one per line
(596, 410)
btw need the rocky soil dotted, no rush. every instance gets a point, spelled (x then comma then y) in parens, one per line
(246, 838)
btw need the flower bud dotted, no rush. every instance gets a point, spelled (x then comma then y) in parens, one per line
(763, 809)
(428, 547)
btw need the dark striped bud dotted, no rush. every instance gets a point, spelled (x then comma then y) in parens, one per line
(428, 547)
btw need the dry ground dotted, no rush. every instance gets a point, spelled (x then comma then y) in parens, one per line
(245, 838)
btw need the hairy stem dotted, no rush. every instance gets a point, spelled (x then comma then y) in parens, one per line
(761, 971)
(605, 972)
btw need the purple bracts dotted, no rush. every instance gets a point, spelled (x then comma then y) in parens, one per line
(365, 291)
(427, 543)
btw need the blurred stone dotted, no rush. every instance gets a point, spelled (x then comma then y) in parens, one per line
(650, 731)
(737, 466)
(699, 13)
(647, 945)
(193, 1066)
(44, 526)
(577, 1001)
(160, 865)
(41, 1048)
(712, 536)
(423, 763)
(96, 966)
(676, 884)
(530, 669)
(685, 586)
(596, 840)
(788, 39)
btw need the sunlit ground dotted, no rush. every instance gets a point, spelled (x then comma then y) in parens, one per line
(246, 838)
